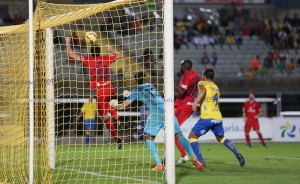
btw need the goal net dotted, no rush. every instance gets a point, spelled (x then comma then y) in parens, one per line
(78, 137)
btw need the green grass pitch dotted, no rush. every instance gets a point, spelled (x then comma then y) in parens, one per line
(279, 163)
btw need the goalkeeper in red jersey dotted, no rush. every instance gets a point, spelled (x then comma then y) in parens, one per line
(186, 95)
(251, 112)
(98, 66)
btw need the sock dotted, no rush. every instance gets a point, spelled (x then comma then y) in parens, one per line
(113, 113)
(230, 146)
(248, 138)
(196, 148)
(111, 127)
(261, 138)
(180, 147)
(152, 147)
(187, 146)
(93, 126)
(87, 139)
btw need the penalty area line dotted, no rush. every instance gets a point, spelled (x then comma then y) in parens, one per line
(287, 158)
(105, 175)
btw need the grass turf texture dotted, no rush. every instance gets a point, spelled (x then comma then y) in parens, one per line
(279, 163)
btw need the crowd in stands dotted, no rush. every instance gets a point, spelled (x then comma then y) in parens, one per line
(209, 62)
(200, 31)
(233, 25)
(282, 35)
(235, 22)
(127, 22)
(274, 60)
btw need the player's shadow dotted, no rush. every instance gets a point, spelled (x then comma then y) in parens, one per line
(222, 166)
(183, 170)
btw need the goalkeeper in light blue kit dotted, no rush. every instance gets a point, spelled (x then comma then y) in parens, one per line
(147, 93)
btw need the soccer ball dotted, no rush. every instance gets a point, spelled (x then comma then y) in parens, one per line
(91, 36)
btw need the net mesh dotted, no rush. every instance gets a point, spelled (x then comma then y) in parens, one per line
(84, 152)
(14, 115)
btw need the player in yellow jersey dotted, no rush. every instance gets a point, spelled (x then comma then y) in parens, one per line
(210, 117)
(89, 112)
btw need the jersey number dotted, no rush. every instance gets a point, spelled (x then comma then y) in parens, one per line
(216, 99)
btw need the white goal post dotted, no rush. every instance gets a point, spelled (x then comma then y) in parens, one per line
(169, 91)
(50, 108)
(31, 92)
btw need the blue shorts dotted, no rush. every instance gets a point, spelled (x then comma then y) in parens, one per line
(155, 122)
(89, 124)
(204, 125)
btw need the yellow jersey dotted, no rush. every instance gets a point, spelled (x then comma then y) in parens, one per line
(89, 110)
(209, 106)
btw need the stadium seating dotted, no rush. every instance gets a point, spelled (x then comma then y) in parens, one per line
(231, 60)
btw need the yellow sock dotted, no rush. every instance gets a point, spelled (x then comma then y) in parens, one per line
(191, 140)
(222, 140)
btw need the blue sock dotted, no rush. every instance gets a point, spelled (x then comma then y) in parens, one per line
(196, 148)
(87, 139)
(152, 147)
(230, 146)
(187, 146)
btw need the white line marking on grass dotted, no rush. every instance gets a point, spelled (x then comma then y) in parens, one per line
(105, 175)
(288, 158)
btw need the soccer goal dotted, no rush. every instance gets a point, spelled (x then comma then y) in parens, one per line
(56, 124)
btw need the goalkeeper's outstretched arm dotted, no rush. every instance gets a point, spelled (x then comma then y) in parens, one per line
(114, 103)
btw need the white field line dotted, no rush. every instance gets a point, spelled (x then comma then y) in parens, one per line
(275, 157)
(98, 174)
(287, 158)
(105, 175)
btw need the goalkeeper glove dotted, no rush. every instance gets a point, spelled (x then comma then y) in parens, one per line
(113, 103)
(126, 93)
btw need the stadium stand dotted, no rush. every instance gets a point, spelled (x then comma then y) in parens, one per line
(199, 35)
(231, 60)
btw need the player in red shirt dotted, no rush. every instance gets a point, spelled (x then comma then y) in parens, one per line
(100, 82)
(185, 99)
(251, 113)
